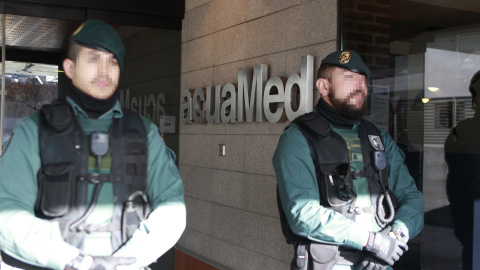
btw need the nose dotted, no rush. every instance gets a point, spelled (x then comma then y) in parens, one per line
(103, 66)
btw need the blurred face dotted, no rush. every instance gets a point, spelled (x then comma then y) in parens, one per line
(346, 92)
(94, 72)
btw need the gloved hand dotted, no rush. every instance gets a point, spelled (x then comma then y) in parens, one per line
(385, 247)
(371, 263)
(110, 262)
(86, 262)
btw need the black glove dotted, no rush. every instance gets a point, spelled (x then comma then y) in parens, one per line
(371, 263)
(85, 262)
(385, 247)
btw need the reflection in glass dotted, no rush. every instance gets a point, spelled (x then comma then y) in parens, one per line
(420, 51)
(28, 86)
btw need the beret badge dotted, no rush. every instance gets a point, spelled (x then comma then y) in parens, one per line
(78, 29)
(345, 57)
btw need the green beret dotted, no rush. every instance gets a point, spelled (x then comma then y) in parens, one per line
(100, 36)
(348, 60)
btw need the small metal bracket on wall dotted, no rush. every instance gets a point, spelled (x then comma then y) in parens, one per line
(221, 150)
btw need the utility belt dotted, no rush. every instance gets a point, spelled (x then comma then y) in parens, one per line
(318, 256)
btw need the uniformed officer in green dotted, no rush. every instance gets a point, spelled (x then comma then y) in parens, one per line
(346, 198)
(84, 183)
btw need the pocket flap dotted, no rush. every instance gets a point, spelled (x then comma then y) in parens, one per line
(58, 169)
(56, 186)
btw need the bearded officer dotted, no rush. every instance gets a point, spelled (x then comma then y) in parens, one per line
(346, 198)
(86, 184)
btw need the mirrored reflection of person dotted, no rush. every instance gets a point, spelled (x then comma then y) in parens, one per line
(462, 154)
(346, 198)
(84, 183)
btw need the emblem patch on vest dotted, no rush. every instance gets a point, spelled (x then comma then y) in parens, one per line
(376, 142)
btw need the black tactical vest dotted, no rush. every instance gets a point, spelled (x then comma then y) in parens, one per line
(64, 178)
(330, 156)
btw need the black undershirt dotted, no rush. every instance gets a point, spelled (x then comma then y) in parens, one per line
(92, 106)
(333, 116)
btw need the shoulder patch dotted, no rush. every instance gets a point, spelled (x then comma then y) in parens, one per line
(376, 142)
(6, 142)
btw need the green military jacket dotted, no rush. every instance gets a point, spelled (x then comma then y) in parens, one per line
(39, 242)
(300, 197)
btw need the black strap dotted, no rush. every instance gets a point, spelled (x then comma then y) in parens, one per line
(102, 178)
(7, 259)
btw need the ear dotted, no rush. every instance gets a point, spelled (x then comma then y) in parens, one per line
(68, 67)
(323, 86)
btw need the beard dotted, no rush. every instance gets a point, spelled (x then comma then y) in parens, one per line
(342, 106)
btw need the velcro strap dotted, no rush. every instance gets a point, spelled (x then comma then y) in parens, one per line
(91, 228)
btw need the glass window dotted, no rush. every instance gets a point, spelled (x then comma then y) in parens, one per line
(28, 86)
(423, 55)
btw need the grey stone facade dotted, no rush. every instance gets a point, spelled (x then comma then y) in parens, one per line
(232, 216)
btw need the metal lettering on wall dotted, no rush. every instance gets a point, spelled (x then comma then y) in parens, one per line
(255, 98)
(151, 107)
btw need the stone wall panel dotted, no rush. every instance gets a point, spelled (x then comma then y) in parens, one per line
(241, 229)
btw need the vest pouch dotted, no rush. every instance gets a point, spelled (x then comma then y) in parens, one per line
(333, 185)
(323, 256)
(56, 185)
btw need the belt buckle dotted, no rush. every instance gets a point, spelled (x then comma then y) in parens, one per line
(356, 175)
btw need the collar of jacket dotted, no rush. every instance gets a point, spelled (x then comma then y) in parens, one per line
(335, 118)
(114, 112)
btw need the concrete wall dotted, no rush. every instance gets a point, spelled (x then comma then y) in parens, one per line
(232, 216)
